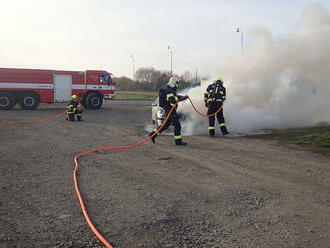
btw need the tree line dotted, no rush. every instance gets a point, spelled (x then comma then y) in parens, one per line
(150, 79)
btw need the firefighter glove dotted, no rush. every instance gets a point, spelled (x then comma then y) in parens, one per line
(184, 97)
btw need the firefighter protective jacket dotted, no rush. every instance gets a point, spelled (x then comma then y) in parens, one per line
(73, 106)
(171, 98)
(215, 93)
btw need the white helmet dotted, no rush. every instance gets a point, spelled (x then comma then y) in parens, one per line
(173, 81)
(170, 84)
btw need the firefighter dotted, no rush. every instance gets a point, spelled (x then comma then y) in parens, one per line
(214, 97)
(74, 109)
(171, 99)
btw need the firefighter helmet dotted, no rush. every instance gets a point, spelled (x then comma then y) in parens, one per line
(174, 80)
(219, 79)
(171, 85)
(74, 97)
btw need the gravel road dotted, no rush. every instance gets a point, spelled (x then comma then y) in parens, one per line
(222, 192)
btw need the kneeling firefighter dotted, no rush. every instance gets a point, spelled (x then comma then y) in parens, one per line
(171, 99)
(214, 97)
(74, 109)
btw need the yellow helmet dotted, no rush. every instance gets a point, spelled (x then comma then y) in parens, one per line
(219, 79)
(74, 97)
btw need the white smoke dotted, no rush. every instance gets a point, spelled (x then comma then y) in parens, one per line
(275, 83)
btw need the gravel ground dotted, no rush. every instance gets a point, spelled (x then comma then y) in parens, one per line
(222, 192)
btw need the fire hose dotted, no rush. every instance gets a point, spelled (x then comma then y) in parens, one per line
(81, 201)
(37, 121)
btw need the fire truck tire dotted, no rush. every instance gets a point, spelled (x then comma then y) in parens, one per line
(94, 101)
(29, 100)
(7, 100)
(83, 102)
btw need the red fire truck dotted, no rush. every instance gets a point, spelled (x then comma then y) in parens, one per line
(29, 87)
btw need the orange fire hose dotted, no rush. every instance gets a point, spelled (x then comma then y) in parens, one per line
(37, 121)
(198, 112)
(81, 201)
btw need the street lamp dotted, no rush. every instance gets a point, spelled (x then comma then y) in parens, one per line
(131, 56)
(170, 49)
(240, 30)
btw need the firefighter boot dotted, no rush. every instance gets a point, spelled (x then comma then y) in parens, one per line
(224, 130)
(79, 118)
(179, 142)
(71, 117)
(212, 133)
(153, 139)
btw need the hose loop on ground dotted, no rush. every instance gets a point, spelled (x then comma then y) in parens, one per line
(81, 201)
(80, 198)
(31, 122)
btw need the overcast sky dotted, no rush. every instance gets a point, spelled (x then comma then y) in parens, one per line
(101, 34)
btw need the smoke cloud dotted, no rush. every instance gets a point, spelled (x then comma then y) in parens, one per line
(276, 82)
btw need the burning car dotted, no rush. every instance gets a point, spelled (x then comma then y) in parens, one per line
(158, 114)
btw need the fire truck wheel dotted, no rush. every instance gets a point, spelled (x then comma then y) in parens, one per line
(29, 101)
(7, 100)
(83, 102)
(94, 101)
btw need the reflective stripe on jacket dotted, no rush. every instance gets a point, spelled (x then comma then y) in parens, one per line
(215, 93)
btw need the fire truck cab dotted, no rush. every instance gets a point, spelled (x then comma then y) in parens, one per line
(29, 87)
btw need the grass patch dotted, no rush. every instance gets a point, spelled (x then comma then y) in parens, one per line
(317, 138)
(135, 95)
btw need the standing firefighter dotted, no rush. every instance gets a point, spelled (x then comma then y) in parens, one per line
(214, 97)
(171, 99)
(74, 109)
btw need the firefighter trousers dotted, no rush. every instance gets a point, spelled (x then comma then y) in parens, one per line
(213, 107)
(72, 112)
(174, 120)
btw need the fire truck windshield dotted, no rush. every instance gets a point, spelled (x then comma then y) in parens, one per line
(105, 79)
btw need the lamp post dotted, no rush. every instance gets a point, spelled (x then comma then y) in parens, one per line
(131, 56)
(241, 31)
(170, 49)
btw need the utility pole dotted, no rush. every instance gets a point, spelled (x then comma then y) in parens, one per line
(241, 31)
(170, 49)
(133, 72)
(196, 77)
